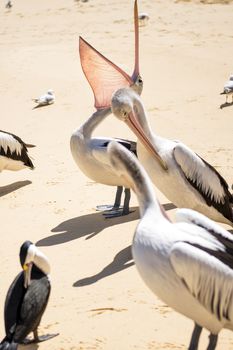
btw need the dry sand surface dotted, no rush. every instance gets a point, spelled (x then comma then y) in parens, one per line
(98, 301)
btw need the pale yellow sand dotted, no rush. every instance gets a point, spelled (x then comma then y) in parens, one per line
(98, 301)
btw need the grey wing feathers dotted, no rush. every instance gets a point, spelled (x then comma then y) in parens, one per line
(205, 179)
(220, 245)
(130, 145)
(210, 281)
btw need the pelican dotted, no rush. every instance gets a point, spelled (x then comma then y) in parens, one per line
(89, 153)
(228, 88)
(46, 99)
(186, 179)
(187, 264)
(14, 152)
(27, 298)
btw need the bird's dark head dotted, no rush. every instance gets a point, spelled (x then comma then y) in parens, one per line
(29, 255)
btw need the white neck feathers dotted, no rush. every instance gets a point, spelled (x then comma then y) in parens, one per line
(35, 256)
(95, 119)
(41, 261)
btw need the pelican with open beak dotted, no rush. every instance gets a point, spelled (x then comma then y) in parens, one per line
(90, 153)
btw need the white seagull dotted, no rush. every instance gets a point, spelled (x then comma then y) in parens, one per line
(9, 4)
(186, 179)
(228, 89)
(13, 152)
(187, 264)
(90, 153)
(46, 99)
(143, 18)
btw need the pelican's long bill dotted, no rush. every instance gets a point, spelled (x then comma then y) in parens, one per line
(104, 76)
(134, 125)
(27, 268)
(136, 43)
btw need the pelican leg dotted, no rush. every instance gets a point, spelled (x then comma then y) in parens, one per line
(125, 211)
(126, 202)
(213, 341)
(195, 337)
(117, 203)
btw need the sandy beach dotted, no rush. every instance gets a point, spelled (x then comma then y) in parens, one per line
(98, 300)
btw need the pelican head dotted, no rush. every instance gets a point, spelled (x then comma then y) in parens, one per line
(127, 106)
(122, 104)
(29, 255)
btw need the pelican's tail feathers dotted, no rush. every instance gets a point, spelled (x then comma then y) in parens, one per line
(30, 165)
(29, 145)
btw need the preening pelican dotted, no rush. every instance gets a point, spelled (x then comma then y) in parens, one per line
(13, 152)
(186, 179)
(228, 88)
(187, 264)
(27, 298)
(90, 153)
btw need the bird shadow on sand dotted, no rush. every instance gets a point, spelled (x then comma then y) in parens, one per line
(4, 190)
(41, 106)
(121, 261)
(226, 104)
(169, 206)
(87, 225)
(32, 346)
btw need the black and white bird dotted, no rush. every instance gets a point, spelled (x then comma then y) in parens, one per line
(27, 299)
(228, 89)
(180, 174)
(187, 264)
(14, 152)
(46, 99)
